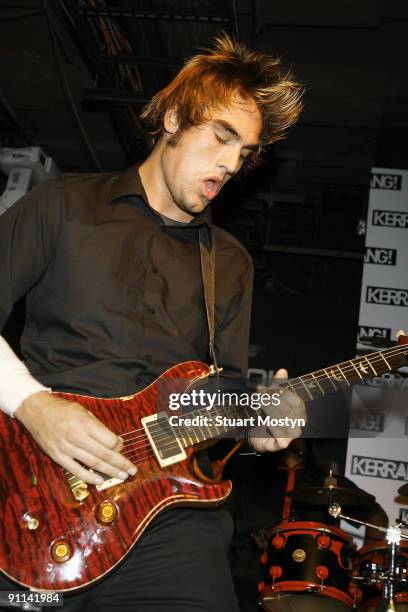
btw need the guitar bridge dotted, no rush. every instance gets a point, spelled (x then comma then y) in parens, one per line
(108, 483)
(164, 443)
(79, 488)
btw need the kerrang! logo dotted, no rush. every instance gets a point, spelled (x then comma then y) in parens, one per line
(391, 469)
(382, 180)
(390, 218)
(367, 421)
(381, 332)
(382, 256)
(387, 295)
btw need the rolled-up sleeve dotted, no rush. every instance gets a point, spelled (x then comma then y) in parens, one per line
(28, 237)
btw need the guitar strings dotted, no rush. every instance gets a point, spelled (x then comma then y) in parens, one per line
(300, 385)
(140, 446)
(142, 439)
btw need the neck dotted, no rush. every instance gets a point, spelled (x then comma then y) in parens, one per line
(154, 184)
(308, 387)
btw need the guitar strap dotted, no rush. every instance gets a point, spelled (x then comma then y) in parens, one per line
(207, 255)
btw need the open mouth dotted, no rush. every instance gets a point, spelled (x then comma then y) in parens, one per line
(211, 188)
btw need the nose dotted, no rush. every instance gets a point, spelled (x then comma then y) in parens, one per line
(231, 160)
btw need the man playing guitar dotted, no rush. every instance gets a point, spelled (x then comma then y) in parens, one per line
(110, 265)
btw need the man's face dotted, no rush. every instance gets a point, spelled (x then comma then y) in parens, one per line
(205, 157)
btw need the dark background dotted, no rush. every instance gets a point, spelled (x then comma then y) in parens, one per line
(75, 73)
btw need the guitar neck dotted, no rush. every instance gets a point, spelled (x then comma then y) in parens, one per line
(221, 420)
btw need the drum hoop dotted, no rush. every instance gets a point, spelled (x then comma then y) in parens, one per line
(285, 526)
(374, 601)
(314, 587)
(381, 545)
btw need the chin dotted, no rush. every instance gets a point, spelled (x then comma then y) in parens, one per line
(195, 208)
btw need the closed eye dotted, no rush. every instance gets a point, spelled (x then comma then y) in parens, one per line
(243, 157)
(219, 139)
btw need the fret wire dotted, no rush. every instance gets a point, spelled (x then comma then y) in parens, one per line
(190, 439)
(331, 379)
(352, 363)
(289, 384)
(201, 437)
(317, 382)
(310, 395)
(341, 372)
(394, 351)
(216, 429)
(369, 363)
(337, 377)
(362, 367)
(205, 435)
(196, 434)
(388, 365)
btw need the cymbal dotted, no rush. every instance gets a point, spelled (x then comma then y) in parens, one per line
(323, 496)
(403, 490)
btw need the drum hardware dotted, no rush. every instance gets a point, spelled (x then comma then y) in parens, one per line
(332, 494)
(388, 574)
(302, 572)
(307, 567)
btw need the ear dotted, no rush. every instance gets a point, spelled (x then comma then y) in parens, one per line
(170, 122)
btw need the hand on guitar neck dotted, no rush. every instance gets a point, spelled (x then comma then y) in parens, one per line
(270, 439)
(74, 438)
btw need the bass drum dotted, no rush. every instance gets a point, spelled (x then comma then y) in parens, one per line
(308, 568)
(373, 561)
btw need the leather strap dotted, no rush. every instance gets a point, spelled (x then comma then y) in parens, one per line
(207, 255)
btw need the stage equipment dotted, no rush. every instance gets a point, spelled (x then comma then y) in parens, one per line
(381, 570)
(25, 167)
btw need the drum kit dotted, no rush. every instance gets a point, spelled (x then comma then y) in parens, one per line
(313, 567)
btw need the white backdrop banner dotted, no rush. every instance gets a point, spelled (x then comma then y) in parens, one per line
(377, 455)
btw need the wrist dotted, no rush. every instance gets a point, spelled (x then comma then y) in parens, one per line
(30, 404)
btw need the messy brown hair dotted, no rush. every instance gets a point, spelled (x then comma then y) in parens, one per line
(212, 79)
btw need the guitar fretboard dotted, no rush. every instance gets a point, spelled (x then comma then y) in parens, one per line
(320, 383)
(308, 387)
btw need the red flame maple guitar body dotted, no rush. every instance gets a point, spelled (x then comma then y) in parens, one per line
(49, 539)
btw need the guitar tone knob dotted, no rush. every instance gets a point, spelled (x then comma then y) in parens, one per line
(61, 551)
(31, 522)
(106, 512)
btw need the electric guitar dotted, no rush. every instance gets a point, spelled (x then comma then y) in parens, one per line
(58, 533)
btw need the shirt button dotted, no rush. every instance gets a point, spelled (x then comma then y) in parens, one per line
(150, 309)
(154, 270)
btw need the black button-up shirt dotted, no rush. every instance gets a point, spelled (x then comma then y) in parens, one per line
(115, 295)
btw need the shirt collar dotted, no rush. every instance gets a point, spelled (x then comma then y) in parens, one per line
(128, 183)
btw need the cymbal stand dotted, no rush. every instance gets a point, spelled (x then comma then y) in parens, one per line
(393, 537)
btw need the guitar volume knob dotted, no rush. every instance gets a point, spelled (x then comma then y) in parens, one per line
(106, 512)
(61, 551)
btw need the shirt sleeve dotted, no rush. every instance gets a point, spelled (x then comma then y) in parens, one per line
(232, 335)
(16, 382)
(28, 236)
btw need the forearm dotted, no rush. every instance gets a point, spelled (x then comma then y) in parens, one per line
(16, 382)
